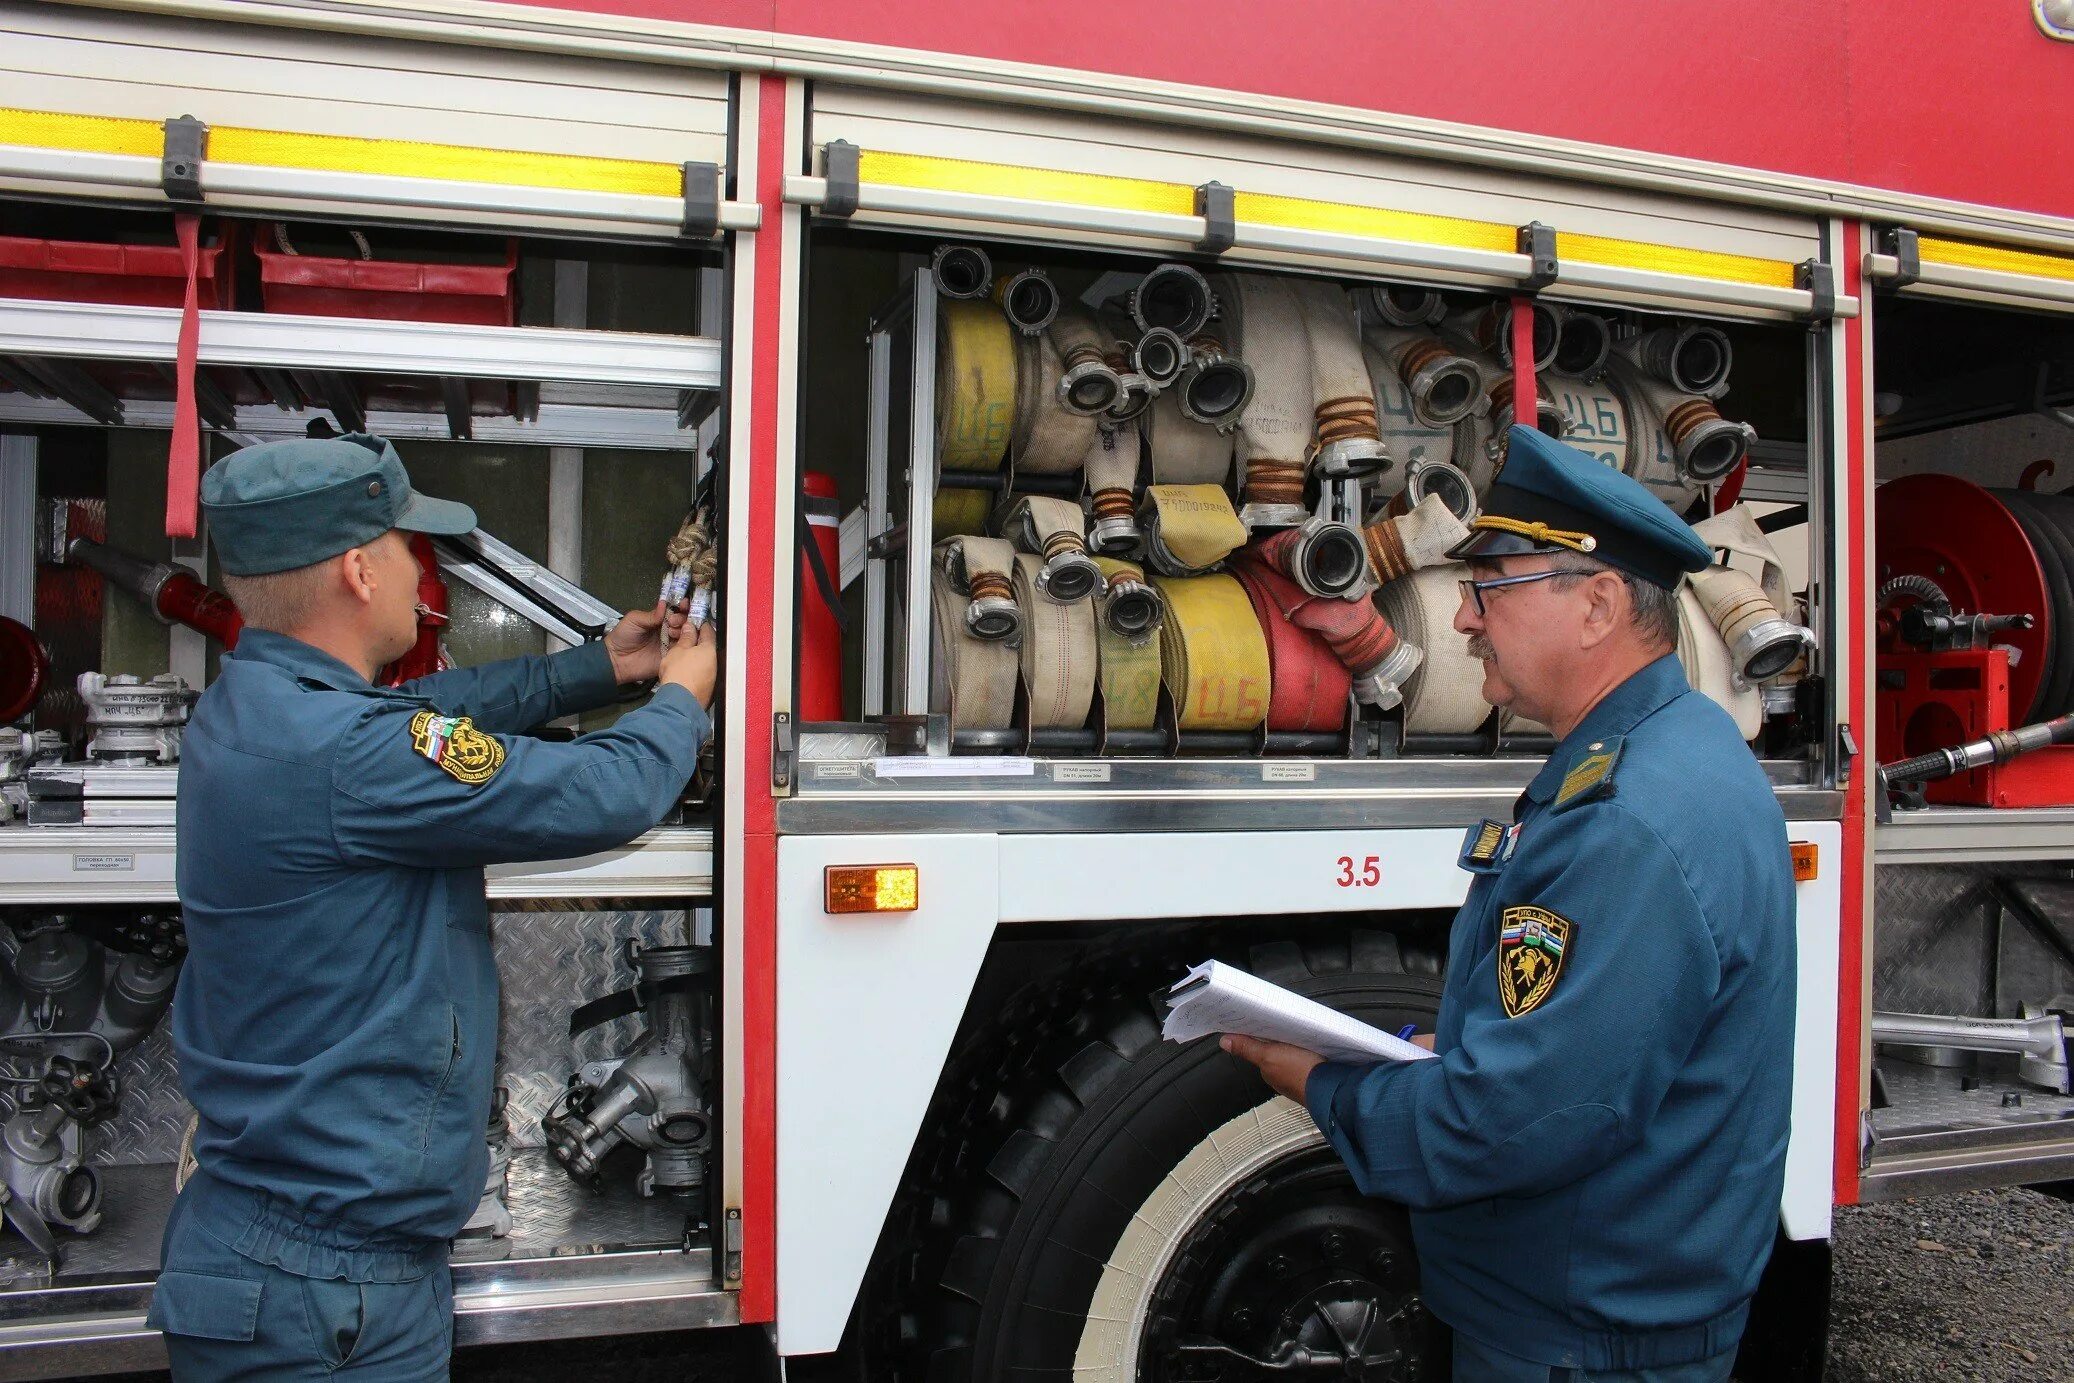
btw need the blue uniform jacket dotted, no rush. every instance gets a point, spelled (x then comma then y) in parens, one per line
(1595, 1163)
(337, 1020)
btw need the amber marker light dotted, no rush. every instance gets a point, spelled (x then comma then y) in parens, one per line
(1806, 861)
(872, 887)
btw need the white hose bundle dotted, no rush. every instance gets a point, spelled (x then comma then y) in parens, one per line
(1055, 532)
(1445, 696)
(1346, 441)
(1708, 668)
(1050, 438)
(1184, 451)
(1400, 545)
(1276, 429)
(1112, 488)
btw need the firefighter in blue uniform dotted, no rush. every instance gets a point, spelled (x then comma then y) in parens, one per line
(336, 1024)
(1595, 1162)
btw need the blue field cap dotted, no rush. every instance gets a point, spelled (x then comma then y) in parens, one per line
(283, 505)
(1551, 497)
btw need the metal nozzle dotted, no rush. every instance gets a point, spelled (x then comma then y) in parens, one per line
(1215, 389)
(962, 271)
(1030, 300)
(1173, 296)
(1329, 559)
(1134, 611)
(1070, 576)
(1160, 355)
(1407, 307)
(1444, 387)
(1090, 388)
(1583, 341)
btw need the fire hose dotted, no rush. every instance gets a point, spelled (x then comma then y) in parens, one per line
(1997, 748)
(1445, 695)
(1308, 687)
(1357, 633)
(1213, 654)
(975, 385)
(1088, 385)
(977, 626)
(1400, 545)
(1029, 299)
(1058, 651)
(1184, 451)
(1054, 531)
(1050, 438)
(1189, 529)
(1276, 428)
(1129, 616)
(1348, 444)
(1112, 485)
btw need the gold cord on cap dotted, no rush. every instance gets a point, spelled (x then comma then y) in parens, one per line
(1536, 532)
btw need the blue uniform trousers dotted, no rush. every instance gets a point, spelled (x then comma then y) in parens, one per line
(230, 1318)
(1477, 1362)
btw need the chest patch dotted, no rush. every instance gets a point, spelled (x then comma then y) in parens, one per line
(1532, 945)
(457, 746)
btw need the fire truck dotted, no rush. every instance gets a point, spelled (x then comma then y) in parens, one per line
(1073, 407)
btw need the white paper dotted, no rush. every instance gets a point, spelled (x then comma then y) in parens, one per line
(951, 766)
(1231, 1000)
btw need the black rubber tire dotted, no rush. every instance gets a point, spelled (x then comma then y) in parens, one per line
(1031, 1163)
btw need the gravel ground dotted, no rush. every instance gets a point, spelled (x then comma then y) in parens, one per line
(1976, 1287)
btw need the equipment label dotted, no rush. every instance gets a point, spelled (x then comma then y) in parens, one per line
(1288, 773)
(103, 864)
(1080, 773)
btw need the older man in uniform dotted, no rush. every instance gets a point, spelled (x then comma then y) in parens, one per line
(1595, 1162)
(337, 1021)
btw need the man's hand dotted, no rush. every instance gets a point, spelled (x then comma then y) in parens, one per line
(693, 662)
(1283, 1067)
(635, 643)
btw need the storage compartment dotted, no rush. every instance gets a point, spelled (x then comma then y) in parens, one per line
(110, 257)
(1109, 508)
(317, 275)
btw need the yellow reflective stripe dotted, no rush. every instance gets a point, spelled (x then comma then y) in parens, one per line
(450, 162)
(92, 134)
(1341, 218)
(1964, 254)
(404, 158)
(1670, 259)
(926, 172)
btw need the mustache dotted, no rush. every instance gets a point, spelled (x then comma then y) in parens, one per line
(1480, 648)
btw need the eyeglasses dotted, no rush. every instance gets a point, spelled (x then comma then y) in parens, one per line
(1473, 590)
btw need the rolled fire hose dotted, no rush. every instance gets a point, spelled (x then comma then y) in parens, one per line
(962, 271)
(1402, 306)
(975, 386)
(1411, 542)
(956, 512)
(1764, 645)
(983, 571)
(1276, 428)
(1112, 486)
(1488, 328)
(1088, 384)
(1596, 419)
(1184, 451)
(1128, 621)
(1689, 358)
(1445, 695)
(1356, 631)
(1431, 382)
(974, 679)
(1050, 438)
(1055, 532)
(1348, 443)
(1308, 687)
(1708, 669)
(1189, 529)
(1703, 446)
(1029, 299)
(1213, 654)
(1058, 653)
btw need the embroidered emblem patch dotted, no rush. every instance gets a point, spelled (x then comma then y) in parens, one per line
(457, 746)
(1532, 944)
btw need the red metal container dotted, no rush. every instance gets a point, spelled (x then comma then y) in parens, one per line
(389, 289)
(820, 634)
(84, 271)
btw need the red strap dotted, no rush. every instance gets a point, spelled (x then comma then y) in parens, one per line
(1526, 402)
(184, 460)
(1308, 687)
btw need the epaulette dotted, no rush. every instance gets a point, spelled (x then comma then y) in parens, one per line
(1591, 777)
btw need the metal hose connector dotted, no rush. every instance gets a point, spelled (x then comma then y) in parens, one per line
(1350, 443)
(993, 616)
(1160, 356)
(1215, 387)
(1134, 610)
(1273, 493)
(1762, 643)
(1382, 683)
(1548, 415)
(1329, 560)
(1087, 384)
(962, 271)
(1426, 476)
(1114, 530)
(1029, 299)
(1705, 445)
(1445, 387)
(1402, 306)
(1691, 358)
(1175, 297)
(1490, 328)
(1069, 574)
(1583, 341)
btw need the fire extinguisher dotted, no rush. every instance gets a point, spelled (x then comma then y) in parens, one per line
(821, 616)
(425, 656)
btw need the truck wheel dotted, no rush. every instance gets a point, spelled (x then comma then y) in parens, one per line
(1113, 1207)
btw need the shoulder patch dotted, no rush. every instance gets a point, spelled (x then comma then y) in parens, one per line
(1591, 776)
(457, 746)
(1532, 945)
